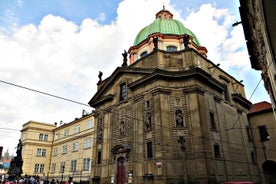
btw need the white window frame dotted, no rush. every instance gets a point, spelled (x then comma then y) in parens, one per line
(36, 168)
(53, 167)
(38, 152)
(87, 143)
(73, 165)
(86, 164)
(64, 149)
(89, 124)
(75, 146)
(77, 129)
(43, 152)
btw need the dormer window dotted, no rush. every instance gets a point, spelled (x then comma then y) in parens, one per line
(123, 92)
(171, 48)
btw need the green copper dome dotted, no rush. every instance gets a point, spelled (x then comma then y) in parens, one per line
(164, 26)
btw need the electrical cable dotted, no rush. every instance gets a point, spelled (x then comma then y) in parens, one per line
(44, 93)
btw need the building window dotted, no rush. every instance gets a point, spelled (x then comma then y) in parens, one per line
(46, 137)
(123, 92)
(99, 159)
(57, 136)
(77, 129)
(212, 121)
(86, 164)
(66, 132)
(40, 137)
(38, 152)
(41, 169)
(264, 136)
(249, 134)
(149, 150)
(89, 124)
(43, 153)
(53, 167)
(171, 48)
(87, 143)
(36, 167)
(73, 165)
(143, 53)
(55, 151)
(253, 157)
(62, 167)
(64, 149)
(179, 121)
(75, 146)
(24, 136)
(216, 151)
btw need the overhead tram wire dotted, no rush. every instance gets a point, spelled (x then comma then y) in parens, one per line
(44, 93)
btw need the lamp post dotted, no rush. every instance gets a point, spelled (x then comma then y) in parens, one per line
(62, 171)
(181, 140)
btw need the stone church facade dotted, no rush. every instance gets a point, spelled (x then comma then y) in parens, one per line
(172, 115)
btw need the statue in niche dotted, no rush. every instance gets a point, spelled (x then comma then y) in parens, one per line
(179, 118)
(177, 100)
(100, 129)
(125, 59)
(100, 133)
(148, 121)
(122, 128)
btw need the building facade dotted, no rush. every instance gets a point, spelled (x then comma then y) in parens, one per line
(72, 150)
(257, 18)
(172, 115)
(59, 152)
(37, 139)
(262, 123)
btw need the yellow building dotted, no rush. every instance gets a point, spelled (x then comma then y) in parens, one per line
(72, 150)
(37, 139)
(58, 152)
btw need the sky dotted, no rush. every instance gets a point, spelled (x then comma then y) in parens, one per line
(58, 47)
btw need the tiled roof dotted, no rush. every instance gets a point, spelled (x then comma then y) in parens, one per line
(257, 107)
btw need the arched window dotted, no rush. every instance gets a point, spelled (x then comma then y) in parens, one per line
(179, 121)
(171, 48)
(143, 53)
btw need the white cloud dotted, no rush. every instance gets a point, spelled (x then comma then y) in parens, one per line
(62, 58)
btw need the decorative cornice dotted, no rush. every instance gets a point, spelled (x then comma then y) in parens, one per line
(241, 100)
(160, 90)
(194, 89)
(102, 100)
(138, 98)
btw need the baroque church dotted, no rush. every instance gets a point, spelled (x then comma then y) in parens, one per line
(170, 115)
